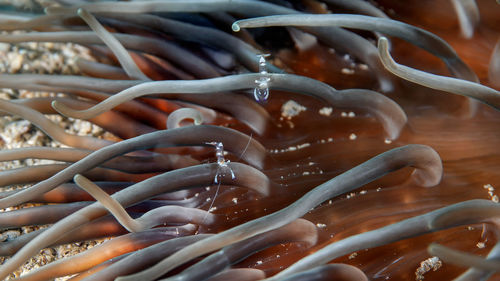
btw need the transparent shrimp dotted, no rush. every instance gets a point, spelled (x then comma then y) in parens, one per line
(261, 92)
(223, 167)
(221, 161)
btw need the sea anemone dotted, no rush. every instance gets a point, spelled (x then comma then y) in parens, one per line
(245, 140)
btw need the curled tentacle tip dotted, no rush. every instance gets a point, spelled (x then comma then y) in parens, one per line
(383, 46)
(55, 105)
(63, 109)
(394, 121)
(385, 57)
(81, 180)
(430, 172)
(394, 131)
(175, 118)
(77, 177)
(59, 107)
(383, 41)
(50, 10)
(236, 27)
(84, 14)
